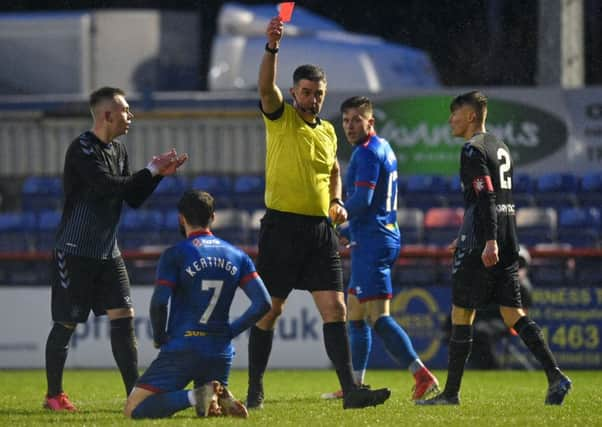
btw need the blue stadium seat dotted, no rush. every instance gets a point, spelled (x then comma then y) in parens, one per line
(523, 183)
(557, 190)
(441, 225)
(523, 188)
(411, 225)
(249, 192)
(536, 225)
(167, 194)
(455, 195)
(48, 222)
(17, 231)
(424, 192)
(579, 227)
(140, 227)
(170, 232)
(42, 193)
(590, 191)
(220, 187)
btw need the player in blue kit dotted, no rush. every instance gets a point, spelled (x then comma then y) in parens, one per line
(373, 235)
(199, 277)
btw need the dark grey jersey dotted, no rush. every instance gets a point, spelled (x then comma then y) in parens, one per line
(97, 181)
(486, 175)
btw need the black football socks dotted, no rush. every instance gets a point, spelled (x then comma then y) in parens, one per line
(460, 345)
(337, 348)
(532, 336)
(125, 350)
(260, 347)
(57, 347)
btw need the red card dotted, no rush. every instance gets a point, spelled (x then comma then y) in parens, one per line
(285, 10)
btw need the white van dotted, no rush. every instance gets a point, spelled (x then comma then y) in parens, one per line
(352, 62)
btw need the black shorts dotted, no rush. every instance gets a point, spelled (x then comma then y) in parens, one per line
(298, 252)
(81, 284)
(475, 286)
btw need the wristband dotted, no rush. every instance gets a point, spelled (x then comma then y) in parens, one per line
(337, 201)
(272, 50)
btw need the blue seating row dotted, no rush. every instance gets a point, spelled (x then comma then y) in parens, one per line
(556, 190)
(579, 227)
(243, 191)
(23, 232)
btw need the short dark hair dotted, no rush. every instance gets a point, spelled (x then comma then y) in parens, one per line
(474, 99)
(362, 103)
(104, 93)
(197, 207)
(309, 72)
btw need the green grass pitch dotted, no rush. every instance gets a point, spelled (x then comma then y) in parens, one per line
(492, 398)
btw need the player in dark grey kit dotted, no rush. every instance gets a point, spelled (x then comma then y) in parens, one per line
(88, 272)
(485, 264)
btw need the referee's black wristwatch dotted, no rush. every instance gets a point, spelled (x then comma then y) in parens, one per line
(272, 50)
(338, 202)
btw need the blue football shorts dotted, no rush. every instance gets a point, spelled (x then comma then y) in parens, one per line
(371, 271)
(173, 370)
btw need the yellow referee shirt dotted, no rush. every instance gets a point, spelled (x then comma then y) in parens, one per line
(299, 160)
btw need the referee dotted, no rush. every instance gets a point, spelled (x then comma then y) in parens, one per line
(87, 271)
(298, 248)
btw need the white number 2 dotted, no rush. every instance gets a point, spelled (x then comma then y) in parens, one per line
(391, 202)
(206, 285)
(505, 181)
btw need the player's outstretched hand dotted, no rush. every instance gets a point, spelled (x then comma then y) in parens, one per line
(174, 164)
(162, 161)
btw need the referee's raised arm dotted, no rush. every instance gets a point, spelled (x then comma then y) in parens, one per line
(270, 94)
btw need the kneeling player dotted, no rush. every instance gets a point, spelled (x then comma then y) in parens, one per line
(200, 276)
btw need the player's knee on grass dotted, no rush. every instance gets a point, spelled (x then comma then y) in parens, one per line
(136, 397)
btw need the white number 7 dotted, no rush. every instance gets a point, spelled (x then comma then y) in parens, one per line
(206, 285)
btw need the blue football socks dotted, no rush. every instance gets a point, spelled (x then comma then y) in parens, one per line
(396, 340)
(360, 341)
